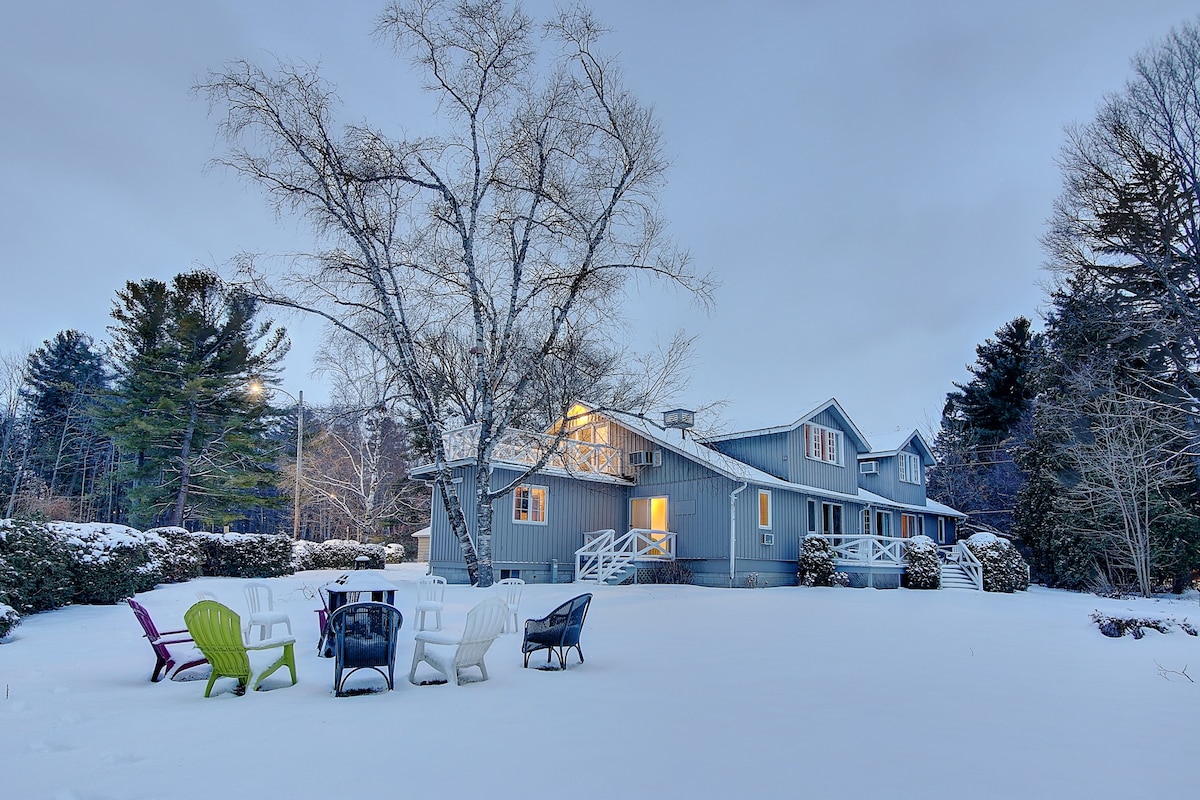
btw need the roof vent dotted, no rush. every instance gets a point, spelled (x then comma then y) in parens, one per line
(679, 418)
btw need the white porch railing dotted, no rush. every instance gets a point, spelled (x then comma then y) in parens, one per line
(526, 447)
(605, 554)
(961, 555)
(856, 549)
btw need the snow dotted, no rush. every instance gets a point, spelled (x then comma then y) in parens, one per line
(983, 537)
(686, 692)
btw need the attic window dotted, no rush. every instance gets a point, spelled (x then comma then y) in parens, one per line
(910, 468)
(822, 444)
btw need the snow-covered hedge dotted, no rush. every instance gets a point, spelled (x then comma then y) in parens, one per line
(816, 562)
(1003, 568)
(175, 555)
(336, 554)
(40, 565)
(9, 619)
(245, 555)
(922, 570)
(108, 562)
(393, 553)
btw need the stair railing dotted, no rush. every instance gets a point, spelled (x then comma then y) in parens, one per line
(969, 563)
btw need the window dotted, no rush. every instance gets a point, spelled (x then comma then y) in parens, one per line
(529, 504)
(812, 516)
(883, 523)
(648, 513)
(831, 518)
(866, 519)
(505, 574)
(910, 468)
(941, 530)
(822, 444)
(764, 509)
(910, 525)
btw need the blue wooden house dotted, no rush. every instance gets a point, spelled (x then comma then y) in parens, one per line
(624, 494)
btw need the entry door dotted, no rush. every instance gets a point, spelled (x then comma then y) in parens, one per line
(649, 513)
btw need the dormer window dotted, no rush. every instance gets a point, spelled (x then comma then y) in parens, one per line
(910, 468)
(822, 444)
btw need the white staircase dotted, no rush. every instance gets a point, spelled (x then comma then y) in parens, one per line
(608, 558)
(955, 577)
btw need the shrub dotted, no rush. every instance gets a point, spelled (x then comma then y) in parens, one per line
(108, 562)
(337, 554)
(816, 562)
(666, 572)
(245, 555)
(922, 570)
(175, 555)
(1003, 568)
(394, 553)
(1117, 625)
(40, 563)
(9, 619)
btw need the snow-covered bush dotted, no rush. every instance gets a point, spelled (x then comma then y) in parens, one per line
(1117, 625)
(394, 553)
(816, 562)
(9, 619)
(40, 564)
(922, 570)
(109, 562)
(336, 554)
(1003, 568)
(175, 555)
(245, 555)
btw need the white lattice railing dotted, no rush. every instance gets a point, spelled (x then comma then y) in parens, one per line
(961, 555)
(526, 447)
(604, 553)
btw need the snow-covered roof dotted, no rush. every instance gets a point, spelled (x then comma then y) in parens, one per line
(829, 405)
(890, 444)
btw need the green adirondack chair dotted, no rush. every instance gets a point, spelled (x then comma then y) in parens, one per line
(217, 631)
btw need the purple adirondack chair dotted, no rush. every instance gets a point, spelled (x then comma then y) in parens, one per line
(165, 662)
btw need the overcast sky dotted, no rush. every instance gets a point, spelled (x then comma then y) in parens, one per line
(869, 181)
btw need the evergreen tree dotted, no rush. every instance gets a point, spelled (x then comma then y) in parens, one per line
(193, 443)
(66, 452)
(975, 471)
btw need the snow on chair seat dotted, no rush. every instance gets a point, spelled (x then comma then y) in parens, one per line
(484, 624)
(263, 615)
(217, 630)
(431, 590)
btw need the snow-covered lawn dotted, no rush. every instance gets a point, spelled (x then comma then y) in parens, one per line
(686, 692)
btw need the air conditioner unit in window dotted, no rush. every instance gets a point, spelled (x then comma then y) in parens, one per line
(868, 467)
(768, 538)
(644, 458)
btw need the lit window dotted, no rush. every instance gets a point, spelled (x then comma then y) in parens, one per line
(764, 509)
(649, 513)
(822, 444)
(910, 525)
(529, 504)
(910, 468)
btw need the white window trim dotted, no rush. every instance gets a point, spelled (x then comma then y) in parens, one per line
(824, 432)
(831, 506)
(915, 528)
(941, 533)
(770, 509)
(910, 468)
(812, 516)
(882, 515)
(545, 504)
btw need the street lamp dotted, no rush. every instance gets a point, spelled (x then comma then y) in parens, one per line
(257, 389)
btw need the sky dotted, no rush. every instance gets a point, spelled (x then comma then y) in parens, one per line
(685, 692)
(868, 181)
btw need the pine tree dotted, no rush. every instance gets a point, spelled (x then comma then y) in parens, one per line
(193, 442)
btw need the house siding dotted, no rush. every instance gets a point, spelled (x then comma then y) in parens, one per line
(768, 452)
(888, 484)
(837, 477)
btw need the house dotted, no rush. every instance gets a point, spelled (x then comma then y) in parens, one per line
(624, 493)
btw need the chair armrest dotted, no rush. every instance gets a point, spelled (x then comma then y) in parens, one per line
(438, 637)
(171, 633)
(269, 643)
(160, 640)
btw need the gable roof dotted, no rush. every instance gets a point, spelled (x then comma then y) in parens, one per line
(831, 405)
(892, 444)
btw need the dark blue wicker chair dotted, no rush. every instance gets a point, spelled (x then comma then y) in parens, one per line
(558, 631)
(363, 636)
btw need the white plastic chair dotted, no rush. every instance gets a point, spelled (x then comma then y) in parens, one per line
(431, 591)
(509, 590)
(484, 623)
(262, 614)
(202, 595)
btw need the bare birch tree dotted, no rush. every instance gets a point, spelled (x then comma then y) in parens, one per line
(514, 229)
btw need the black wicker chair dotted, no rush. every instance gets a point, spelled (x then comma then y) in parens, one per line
(363, 636)
(558, 631)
